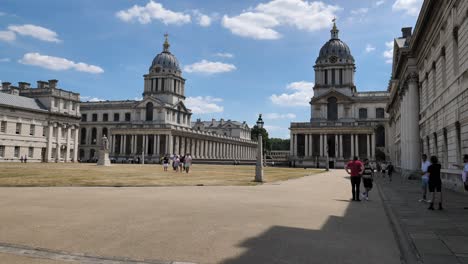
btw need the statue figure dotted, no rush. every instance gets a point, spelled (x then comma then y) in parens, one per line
(105, 143)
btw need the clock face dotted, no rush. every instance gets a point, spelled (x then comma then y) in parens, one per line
(333, 59)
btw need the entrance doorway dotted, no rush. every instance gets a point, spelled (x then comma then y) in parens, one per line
(331, 146)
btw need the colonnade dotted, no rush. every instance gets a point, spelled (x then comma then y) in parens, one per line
(55, 142)
(157, 145)
(341, 149)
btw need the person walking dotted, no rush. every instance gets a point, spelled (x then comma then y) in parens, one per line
(435, 182)
(181, 164)
(379, 169)
(390, 169)
(367, 179)
(355, 168)
(165, 163)
(188, 162)
(424, 178)
(175, 163)
(464, 174)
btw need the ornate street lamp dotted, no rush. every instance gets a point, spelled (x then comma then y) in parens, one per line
(259, 165)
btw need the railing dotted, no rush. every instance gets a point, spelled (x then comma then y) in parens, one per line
(373, 122)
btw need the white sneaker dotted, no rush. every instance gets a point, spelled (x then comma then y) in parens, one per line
(429, 201)
(422, 200)
(367, 198)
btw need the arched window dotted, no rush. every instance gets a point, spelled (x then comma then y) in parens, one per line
(380, 137)
(104, 132)
(83, 136)
(332, 109)
(93, 136)
(149, 111)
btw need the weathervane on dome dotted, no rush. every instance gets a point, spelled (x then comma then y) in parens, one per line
(334, 31)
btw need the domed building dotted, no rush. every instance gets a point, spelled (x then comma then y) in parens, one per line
(159, 124)
(344, 122)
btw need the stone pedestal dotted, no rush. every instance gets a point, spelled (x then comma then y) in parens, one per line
(104, 158)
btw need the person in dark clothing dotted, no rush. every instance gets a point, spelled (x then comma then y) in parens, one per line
(390, 169)
(367, 178)
(435, 182)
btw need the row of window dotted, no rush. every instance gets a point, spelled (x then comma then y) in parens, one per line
(105, 117)
(332, 110)
(16, 153)
(334, 79)
(32, 128)
(94, 138)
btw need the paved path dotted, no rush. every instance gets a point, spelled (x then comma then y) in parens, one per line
(434, 236)
(308, 220)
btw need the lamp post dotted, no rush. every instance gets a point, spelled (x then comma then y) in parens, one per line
(259, 164)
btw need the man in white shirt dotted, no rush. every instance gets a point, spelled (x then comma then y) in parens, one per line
(464, 172)
(425, 177)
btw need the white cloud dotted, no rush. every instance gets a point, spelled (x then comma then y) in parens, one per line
(202, 19)
(7, 36)
(301, 93)
(204, 104)
(379, 3)
(2, 14)
(260, 22)
(209, 67)
(34, 31)
(4, 59)
(360, 11)
(225, 55)
(370, 48)
(276, 116)
(91, 99)
(57, 63)
(410, 7)
(388, 53)
(153, 11)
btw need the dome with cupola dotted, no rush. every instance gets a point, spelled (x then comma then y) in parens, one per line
(165, 60)
(335, 50)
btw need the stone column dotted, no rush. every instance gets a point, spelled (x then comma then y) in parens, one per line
(157, 145)
(311, 145)
(337, 148)
(306, 146)
(75, 145)
(124, 151)
(373, 146)
(295, 145)
(169, 144)
(413, 122)
(341, 146)
(132, 144)
(357, 145)
(352, 146)
(322, 154)
(176, 146)
(368, 146)
(68, 139)
(57, 149)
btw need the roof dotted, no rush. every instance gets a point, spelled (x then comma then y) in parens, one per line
(21, 102)
(216, 123)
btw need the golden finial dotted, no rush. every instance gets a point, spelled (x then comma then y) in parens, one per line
(166, 42)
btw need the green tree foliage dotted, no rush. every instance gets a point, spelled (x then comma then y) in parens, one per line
(255, 131)
(279, 144)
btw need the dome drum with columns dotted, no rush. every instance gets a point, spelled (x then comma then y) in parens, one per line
(344, 122)
(158, 125)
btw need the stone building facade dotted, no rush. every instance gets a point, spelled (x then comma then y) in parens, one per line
(40, 123)
(344, 122)
(158, 125)
(226, 128)
(428, 105)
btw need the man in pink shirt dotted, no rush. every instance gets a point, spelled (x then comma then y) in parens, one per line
(355, 168)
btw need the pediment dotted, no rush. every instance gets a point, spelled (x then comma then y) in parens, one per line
(182, 106)
(156, 102)
(342, 98)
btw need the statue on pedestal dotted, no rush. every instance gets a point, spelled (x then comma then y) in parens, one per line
(104, 153)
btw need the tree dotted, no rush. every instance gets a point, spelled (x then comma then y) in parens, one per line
(254, 136)
(279, 144)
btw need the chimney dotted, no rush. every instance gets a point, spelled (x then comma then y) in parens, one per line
(53, 84)
(5, 85)
(24, 85)
(406, 32)
(213, 121)
(41, 84)
(221, 121)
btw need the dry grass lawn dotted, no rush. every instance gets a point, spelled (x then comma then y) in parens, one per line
(70, 174)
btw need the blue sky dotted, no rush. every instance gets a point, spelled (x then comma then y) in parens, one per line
(240, 58)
